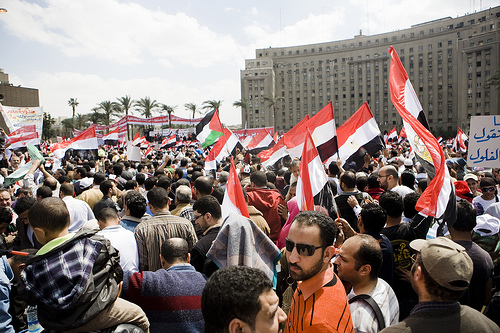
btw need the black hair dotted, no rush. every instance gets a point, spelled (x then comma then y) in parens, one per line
(130, 184)
(259, 178)
(218, 193)
(408, 179)
(99, 177)
(327, 228)
(374, 217)
(392, 203)
(23, 204)
(164, 181)
(150, 183)
(409, 203)
(369, 253)
(333, 168)
(348, 178)
(49, 214)
(372, 181)
(107, 214)
(44, 192)
(233, 292)
(5, 215)
(136, 203)
(466, 216)
(208, 204)
(67, 189)
(175, 250)
(204, 185)
(140, 178)
(158, 197)
(106, 186)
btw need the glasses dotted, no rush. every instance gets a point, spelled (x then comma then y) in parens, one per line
(379, 176)
(302, 249)
(488, 189)
(197, 217)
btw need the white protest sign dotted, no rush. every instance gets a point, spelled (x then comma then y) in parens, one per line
(17, 117)
(133, 153)
(484, 142)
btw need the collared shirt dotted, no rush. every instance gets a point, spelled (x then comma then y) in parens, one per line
(151, 234)
(53, 243)
(433, 306)
(79, 212)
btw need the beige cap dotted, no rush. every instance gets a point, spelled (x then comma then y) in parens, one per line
(446, 262)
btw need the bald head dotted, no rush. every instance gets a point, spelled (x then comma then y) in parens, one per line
(174, 251)
(203, 186)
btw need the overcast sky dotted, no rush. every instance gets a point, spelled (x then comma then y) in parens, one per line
(178, 52)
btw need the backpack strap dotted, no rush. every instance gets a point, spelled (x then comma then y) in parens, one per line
(368, 299)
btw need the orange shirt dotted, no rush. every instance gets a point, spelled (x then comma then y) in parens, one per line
(320, 305)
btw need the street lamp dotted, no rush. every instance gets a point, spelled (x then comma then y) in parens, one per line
(3, 10)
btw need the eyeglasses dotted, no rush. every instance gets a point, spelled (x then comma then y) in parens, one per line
(379, 176)
(197, 217)
(302, 249)
(488, 189)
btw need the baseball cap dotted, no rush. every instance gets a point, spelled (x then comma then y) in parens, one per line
(487, 225)
(487, 181)
(470, 176)
(408, 162)
(446, 262)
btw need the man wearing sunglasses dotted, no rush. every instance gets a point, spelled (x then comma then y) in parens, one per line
(319, 303)
(489, 189)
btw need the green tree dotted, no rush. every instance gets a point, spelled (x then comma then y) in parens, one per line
(212, 105)
(168, 109)
(243, 104)
(73, 103)
(147, 106)
(48, 132)
(125, 104)
(81, 121)
(109, 110)
(495, 79)
(95, 117)
(192, 107)
(67, 127)
(272, 102)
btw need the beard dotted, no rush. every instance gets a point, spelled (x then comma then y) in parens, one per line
(303, 275)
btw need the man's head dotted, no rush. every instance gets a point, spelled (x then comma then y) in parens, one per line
(99, 177)
(5, 219)
(107, 217)
(15, 161)
(158, 199)
(48, 218)
(309, 246)
(392, 203)
(207, 212)
(80, 173)
(348, 180)
(203, 186)
(183, 194)
(174, 251)
(5, 199)
(135, 204)
(43, 192)
(372, 218)
(66, 190)
(108, 188)
(223, 177)
(51, 182)
(409, 203)
(258, 179)
(240, 299)
(23, 205)
(442, 270)
(472, 182)
(488, 187)
(388, 177)
(360, 259)
(466, 219)
(295, 168)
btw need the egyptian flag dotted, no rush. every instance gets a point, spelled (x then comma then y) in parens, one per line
(440, 140)
(87, 140)
(23, 136)
(148, 151)
(458, 143)
(359, 135)
(270, 156)
(234, 199)
(323, 132)
(209, 129)
(226, 146)
(438, 200)
(402, 135)
(392, 136)
(312, 184)
(262, 140)
(117, 134)
(168, 141)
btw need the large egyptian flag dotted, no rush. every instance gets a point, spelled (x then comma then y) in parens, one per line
(322, 127)
(225, 146)
(279, 150)
(169, 141)
(209, 129)
(85, 141)
(360, 134)
(118, 134)
(438, 200)
(261, 140)
(392, 136)
(459, 142)
(234, 199)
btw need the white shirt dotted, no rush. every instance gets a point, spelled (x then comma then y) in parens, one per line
(79, 212)
(124, 241)
(402, 190)
(364, 319)
(484, 203)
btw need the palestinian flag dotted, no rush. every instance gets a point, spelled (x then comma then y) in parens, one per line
(209, 129)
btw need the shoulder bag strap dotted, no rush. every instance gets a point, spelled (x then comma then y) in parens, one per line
(368, 299)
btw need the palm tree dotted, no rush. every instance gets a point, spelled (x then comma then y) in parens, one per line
(147, 106)
(192, 107)
(47, 131)
(212, 105)
(96, 116)
(168, 109)
(67, 127)
(125, 104)
(243, 104)
(73, 103)
(272, 101)
(81, 121)
(109, 109)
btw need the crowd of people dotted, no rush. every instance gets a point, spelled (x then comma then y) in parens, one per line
(108, 244)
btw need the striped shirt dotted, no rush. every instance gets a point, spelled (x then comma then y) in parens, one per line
(151, 234)
(364, 318)
(320, 305)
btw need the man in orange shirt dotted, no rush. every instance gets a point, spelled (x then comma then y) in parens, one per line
(319, 303)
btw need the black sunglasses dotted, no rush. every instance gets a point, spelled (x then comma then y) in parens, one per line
(302, 249)
(488, 189)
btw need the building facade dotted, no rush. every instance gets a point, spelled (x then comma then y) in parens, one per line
(16, 95)
(448, 61)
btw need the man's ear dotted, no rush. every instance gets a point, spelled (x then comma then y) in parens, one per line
(329, 253)
(365, 270)
(237, 326)
(40, 235)
(162, 261)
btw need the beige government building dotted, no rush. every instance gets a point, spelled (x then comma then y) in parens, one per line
(448, 61)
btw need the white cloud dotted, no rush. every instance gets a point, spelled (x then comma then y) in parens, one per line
(120, 32)
(254, 11)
